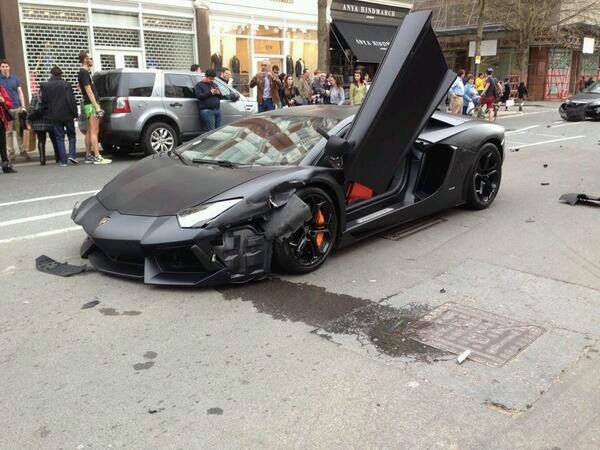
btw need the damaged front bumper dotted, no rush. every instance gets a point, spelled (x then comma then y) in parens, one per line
(574, 111)
(158, 251)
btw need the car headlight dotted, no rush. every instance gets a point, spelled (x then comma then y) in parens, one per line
(197, 216)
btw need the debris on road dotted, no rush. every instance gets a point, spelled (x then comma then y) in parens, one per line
(514, 149)
(214, 411)
(46, 264)
(584, 199)
(545, 184)
(90, 304)
(442, 291)
(464, 355)
(530, 220)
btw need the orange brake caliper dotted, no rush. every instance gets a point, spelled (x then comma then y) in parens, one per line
(319, 220)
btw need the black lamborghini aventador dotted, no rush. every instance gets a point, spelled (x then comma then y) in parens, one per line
(281, 190)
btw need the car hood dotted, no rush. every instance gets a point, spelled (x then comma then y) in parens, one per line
(585, 97)
(160, 185)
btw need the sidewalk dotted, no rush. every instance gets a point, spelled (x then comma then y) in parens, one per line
(35, 156)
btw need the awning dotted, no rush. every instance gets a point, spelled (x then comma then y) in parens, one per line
(368, 42)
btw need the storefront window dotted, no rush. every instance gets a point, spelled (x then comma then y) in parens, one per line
(222, 27)
(268, 47)
(234, 53)
(305, 50)
(299, 33)
(268, 31)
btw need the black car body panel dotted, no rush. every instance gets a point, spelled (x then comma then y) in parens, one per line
(133, 224)
(399, 102)
(581, 106)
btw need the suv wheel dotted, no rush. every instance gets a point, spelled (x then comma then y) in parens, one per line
(159, 137)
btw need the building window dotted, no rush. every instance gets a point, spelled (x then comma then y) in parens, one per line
(168, 22)
(166, 50)
(54, 14)
(116, 37)
(49, 45)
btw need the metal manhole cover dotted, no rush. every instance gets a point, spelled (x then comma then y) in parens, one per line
(411, 228)
(492, 339)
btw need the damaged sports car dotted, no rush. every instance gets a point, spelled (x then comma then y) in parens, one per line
(585, 104)
(281, 190)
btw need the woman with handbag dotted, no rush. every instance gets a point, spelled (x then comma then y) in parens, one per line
(38, 121)
(5, 119)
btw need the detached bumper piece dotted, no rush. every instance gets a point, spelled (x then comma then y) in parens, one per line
(237, 256)
(578, 111)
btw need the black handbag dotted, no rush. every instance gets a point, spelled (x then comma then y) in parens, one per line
(36, 108)
(10, 115)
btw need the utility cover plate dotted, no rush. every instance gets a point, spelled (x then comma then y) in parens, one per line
(492, 339)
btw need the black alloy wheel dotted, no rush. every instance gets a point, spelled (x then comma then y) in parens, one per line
(484, 177)
(309, 246)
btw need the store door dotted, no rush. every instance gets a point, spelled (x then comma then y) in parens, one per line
(117, 59)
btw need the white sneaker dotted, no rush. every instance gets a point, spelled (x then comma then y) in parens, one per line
(100, 160)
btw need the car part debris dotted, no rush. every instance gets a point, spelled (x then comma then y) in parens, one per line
(90, 304)
(442, 291)
(46, 264)
(464, 355)
(545, 166)
(514, 149)
(573, 199)
(530, 220)
(287, 219)
(545, 184)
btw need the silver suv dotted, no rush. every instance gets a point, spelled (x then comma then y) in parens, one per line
(154, 110)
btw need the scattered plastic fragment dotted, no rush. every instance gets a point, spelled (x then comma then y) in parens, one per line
(214, 411)
(545, 165)
(573, 199)
(90, 304)
(530, 220)
(545, 184)
(48, 265)
(442, 291)
(514, 149)
(464, 355)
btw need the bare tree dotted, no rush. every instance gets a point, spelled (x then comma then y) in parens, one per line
(539, 21)
(479, 36)
(323, 36)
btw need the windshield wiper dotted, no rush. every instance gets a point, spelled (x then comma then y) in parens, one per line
(173, 152)
(215, 162)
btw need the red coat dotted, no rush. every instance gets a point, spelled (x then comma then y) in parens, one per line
(8, 104)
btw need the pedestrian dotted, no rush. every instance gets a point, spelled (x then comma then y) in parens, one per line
(358, 89)
(336, 93)
(267, 87)
(521, 94)
(582, 83)
(90, 109)
(225, 76)
(276, 72)
(480, 83)
(589, 82)
(319, 88)
(304, 85)
(209, 100)
(471, 97)
(195, 68)
(291, 93)
(12, 85)
(488, 96)
(5, 119)
(38, 122)
(456, 94)
(505, 92)
(61, 108)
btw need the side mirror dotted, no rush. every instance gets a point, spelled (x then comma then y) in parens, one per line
(234, 96)
(335, 149)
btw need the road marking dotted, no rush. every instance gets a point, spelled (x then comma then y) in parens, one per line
(34, 218)
(38, 235)
(551, 141)
(520, 114)
(520, 130)
(565, 124)
(50, 197)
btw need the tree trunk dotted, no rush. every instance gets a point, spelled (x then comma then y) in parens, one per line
(523, 63)
(479, 37)
(323, 36)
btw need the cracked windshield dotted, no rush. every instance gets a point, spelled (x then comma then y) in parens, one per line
(264, 141)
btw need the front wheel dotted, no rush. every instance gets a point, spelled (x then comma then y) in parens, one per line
(484, 177)
(159, 137)
(309, 246)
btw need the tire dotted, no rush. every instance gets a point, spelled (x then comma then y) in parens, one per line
(157, 137)
(308, 247)
(483, 180)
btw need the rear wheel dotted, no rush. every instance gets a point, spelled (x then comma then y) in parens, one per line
(159, 137)
(309, 246)
(484, 177)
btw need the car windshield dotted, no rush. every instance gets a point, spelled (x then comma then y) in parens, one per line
(260, 140)
(593, 88)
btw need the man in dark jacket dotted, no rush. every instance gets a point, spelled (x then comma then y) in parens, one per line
(61, 109)
(209, 100)
(267, 87)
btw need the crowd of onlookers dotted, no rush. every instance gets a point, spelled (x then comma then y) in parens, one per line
(51, 112)
(469, 94)
(275, 89)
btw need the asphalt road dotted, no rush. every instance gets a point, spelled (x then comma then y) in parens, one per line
(314, 361)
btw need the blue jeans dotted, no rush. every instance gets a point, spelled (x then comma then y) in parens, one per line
(211, 118)
(266, 105)
(58, 129)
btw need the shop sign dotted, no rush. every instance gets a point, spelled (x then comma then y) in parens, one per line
(367, 11)
(488, 48)
(588, 45)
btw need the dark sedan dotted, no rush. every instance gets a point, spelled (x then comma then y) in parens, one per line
(584, 105)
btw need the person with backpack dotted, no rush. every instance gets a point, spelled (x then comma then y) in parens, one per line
(491, 92)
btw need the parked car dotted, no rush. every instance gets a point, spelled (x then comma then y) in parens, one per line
(284, 188)
(582, 105)
(155, 110)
